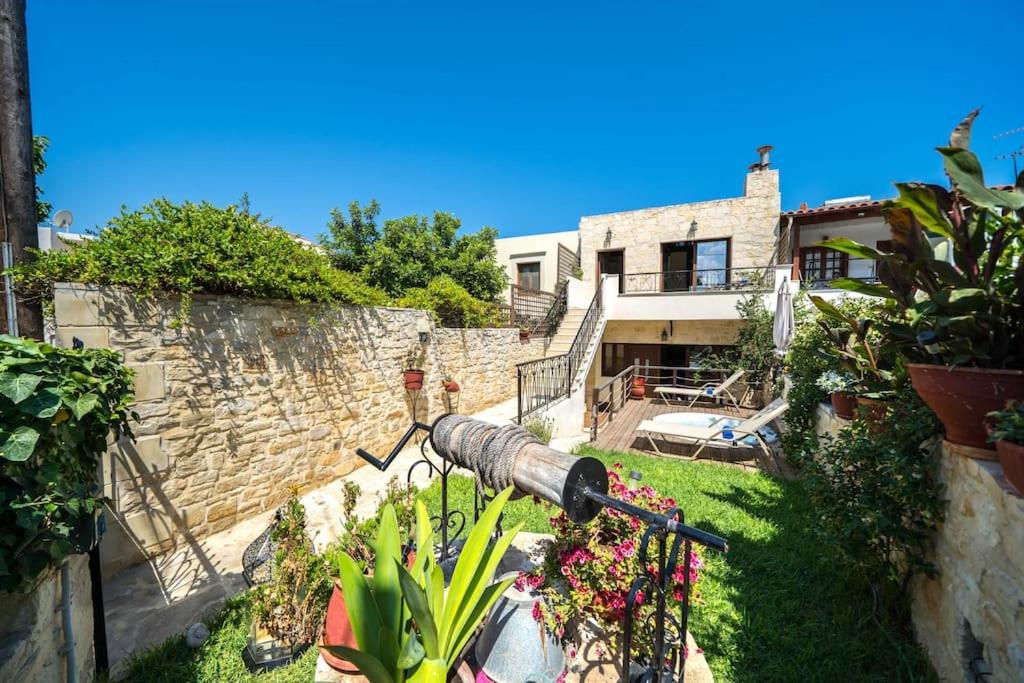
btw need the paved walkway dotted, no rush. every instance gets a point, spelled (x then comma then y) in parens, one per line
(151, 602)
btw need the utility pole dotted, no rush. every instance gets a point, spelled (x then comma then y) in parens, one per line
(17, 176)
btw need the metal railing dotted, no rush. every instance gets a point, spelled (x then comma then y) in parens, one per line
(861, 269)
(610, 398)
(702, 280)
(541, 382)
(536, 311)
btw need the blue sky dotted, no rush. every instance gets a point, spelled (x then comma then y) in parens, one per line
(518, 115)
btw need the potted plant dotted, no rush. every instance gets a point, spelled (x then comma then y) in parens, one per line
(289, 609)
(357, 540)
(864, 355)
(639, 388)
(412, 368)
(524, 334)
(450, 385)
(839, 386)
(954, 289)
(406, 624)
(1007, 432)
(589, 569)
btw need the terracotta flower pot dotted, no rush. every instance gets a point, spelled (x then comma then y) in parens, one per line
(961, 397)
(524, 335)
(451, 386)
(639, 388)
(1011, 457)
(413, 379)
(338, 631)
(843, 403)
(873, 411)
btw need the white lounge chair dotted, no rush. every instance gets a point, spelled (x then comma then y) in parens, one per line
(713, 434)
(715, 390)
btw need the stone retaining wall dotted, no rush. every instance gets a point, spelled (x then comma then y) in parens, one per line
(251, 397)
(32, 634)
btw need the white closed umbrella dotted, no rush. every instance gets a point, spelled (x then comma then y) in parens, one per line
(782, 332)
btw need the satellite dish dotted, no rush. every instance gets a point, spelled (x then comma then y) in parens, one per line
(63, 219)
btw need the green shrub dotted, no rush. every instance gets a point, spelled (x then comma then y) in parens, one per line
(451, 304)
(1008, 424)
(197, 248)
(806, 361)
(879, 499)
(58, 406)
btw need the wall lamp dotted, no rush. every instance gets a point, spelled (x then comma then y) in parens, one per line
(693, 227)
(424, 330)
(608, 236)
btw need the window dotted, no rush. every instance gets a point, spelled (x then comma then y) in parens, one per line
(821, 264)
(712, 263)
(528, 275)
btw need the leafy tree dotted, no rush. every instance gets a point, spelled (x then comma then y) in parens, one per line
(451, 304)
(412, 251)
(39, 145)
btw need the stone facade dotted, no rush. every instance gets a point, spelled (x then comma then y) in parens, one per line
(975, 607)
(249, 398)
(32, 640)
(751, 221)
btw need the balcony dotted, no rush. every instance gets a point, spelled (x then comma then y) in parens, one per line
(707, 280)
(690, 295)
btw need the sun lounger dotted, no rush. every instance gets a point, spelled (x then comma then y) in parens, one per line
(713, 435)
(715, 390)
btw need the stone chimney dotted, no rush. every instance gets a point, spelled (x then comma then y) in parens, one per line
(762, 180)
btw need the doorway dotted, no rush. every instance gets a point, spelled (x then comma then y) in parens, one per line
(611, 263)
(676, 264)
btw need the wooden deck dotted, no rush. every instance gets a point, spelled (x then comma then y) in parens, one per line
(620, 433)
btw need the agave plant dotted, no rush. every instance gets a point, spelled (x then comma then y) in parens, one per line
(956, 274)
(405, 624)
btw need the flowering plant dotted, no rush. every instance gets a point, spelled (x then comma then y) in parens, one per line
(831, 382)
(588, 570)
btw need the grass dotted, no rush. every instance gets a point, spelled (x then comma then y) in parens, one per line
(778, 607)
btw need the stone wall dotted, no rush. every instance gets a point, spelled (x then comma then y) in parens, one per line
(751, 221)
(975, 607)
(249, 398)
(32, 633)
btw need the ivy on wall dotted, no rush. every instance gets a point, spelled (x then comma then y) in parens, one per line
(58, 407)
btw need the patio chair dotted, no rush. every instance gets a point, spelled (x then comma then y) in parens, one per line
(715, 390)
(712, 435)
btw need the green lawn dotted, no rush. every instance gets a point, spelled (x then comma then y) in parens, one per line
(778, 607)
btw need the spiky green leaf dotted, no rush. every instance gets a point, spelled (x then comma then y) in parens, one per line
(368, 665)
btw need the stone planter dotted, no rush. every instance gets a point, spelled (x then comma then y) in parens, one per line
(1011, 457)
(843, 403)
(962, 397)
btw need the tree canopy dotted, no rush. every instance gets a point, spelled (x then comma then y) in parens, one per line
(411, 251)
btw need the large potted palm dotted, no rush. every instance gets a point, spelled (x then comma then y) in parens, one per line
(953, 289)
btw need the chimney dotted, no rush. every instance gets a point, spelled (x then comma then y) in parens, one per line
(763, 151)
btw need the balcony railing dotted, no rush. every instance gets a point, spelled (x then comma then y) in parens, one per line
(856, 268)
(538, 311)
(701, 280)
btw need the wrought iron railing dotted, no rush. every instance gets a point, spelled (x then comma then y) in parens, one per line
(610, 398)
(861, 269)
(543, 381)
(536, 311)
(701, 280)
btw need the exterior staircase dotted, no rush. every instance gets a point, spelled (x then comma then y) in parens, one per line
(566, 333)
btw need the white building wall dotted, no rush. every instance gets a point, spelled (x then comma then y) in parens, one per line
(541, 248)
(868, 231)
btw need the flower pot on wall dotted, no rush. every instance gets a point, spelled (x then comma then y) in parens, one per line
(639, 388)
(451, 386)
(413, 379)
(962, 397)
(843, 403)
(1011, 457)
